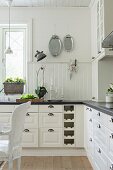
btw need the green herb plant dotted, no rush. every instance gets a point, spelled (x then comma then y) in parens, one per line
(28, 96)
(15, 80)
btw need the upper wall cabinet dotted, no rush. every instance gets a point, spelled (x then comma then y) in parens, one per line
(101, 26)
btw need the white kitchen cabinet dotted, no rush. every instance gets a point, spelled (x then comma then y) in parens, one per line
(99, 138)
(30, 138)
(5, 118)
(101, 26)
(6, 108)
(50, 137)
(48, 120)
(31, 120)
(88, 132)
(50, 108)
(100, 158)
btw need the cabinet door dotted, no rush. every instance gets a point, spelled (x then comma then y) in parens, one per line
(100, 158)
(95, 80)
(50, 120)
(30, 138)
(5, 118)
(110, 143)
(50, 137)
(31, 120)
(100, 135)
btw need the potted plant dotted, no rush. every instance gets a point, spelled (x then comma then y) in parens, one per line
(14, 86)
(109, 94)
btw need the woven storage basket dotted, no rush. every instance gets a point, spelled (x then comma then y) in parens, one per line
(13, 88)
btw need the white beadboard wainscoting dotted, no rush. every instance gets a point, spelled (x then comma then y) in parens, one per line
(57, 75)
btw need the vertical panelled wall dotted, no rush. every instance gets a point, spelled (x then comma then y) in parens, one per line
(57, 78)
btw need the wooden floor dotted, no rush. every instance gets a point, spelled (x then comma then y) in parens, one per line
(54, 163)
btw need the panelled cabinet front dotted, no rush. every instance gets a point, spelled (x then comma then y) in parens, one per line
(49, 125)
(100, 152)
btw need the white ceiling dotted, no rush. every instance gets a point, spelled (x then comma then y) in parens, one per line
(48, 3)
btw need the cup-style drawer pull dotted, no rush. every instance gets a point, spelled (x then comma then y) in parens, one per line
(111, 167)
(27, 114)
(90, 140)
(111, 120)
(99, 150)
(90, 120)
(90, 110)
(50, 130)
(111, 136)
(50, 114)
(50, 106)
(26, 130)
(98, 114)
(98, 126)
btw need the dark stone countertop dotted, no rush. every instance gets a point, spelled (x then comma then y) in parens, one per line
(100, 106)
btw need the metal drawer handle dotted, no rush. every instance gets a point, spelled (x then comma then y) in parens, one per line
(98, 114)
(50, 114)
(111, 136)
(111, 167)
(50, 130)
(99, 150)
(98, 126)
(90, 120)
(27, 114)
(50, 106)
(111, 120)
(26, 130)
(90, 140)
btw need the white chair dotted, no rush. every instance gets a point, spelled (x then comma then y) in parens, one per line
(11, 148)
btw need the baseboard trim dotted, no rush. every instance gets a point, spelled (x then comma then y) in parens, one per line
(53, 152)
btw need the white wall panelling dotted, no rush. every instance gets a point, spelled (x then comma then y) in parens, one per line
(78, 88)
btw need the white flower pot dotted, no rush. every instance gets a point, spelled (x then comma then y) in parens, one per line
(109, 97)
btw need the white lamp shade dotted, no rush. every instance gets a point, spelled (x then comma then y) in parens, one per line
(8, 51)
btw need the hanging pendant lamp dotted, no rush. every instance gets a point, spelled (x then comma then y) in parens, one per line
(9, 50)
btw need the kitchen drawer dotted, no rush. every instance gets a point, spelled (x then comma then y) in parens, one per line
(110, 164)
(6, 108)
(110, 144)
(50, 120)
(101, 117)
(50, 108)
(50, 137)
(31, 120)
(110, 122)
(5, 118)
(100, 158)
(100, 135)
(30, 138)
(90, 146)
(32, 109)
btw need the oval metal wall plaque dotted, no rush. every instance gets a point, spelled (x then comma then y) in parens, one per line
(55, 45)
(68, 43)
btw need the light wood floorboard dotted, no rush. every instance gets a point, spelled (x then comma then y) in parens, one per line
(54, 163)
